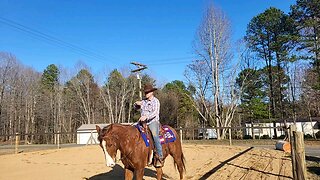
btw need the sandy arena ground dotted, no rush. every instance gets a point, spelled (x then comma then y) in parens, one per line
(203, 162)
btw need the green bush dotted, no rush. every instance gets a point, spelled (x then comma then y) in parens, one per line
(318, 134)
(308, 136)
(247, 137)
(265, 137)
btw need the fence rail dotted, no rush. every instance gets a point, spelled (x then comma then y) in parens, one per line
(188, 133)
(230, 134)
(39, 134)
(234, 132)
(192, 133)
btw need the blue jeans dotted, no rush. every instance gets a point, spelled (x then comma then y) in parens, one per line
(154, 128)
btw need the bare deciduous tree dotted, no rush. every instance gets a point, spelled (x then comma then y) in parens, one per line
(212, 44)
(118, 95)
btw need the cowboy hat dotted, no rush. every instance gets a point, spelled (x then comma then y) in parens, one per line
(148, 88)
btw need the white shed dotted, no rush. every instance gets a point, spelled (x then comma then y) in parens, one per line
(87, 133)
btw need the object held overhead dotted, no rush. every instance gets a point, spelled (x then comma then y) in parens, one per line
(139, 69)
(138, 64)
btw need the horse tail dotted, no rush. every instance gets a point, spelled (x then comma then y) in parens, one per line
(180, 162)
(175, 149)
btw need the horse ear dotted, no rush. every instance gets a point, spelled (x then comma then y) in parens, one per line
(98, 129)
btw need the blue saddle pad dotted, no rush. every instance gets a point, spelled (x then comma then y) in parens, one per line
(143, 134)
(167, 137)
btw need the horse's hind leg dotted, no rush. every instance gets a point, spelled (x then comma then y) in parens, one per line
(179, 163)
(179, 160)
(128, 174)
(159, 173)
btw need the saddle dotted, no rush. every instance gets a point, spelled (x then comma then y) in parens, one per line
(165, 134)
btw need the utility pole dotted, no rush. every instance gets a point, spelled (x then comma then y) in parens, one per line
(140, 67)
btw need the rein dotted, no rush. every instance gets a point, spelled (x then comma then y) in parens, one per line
(126, 156)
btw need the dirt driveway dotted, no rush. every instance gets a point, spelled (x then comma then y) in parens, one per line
(203, 162)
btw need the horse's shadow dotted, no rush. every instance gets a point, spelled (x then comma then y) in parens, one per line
(118, 173)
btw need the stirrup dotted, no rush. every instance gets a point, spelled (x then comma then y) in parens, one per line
(149, 164)
(159, 163)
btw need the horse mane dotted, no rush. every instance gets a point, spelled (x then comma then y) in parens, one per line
(103, 131)
(109, 127)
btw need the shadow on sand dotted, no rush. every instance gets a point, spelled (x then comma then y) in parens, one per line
(313, 158)
(215, 169)
(212, 171)
(314, 169)
(118, 173)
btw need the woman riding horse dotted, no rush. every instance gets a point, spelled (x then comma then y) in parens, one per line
(150, 108)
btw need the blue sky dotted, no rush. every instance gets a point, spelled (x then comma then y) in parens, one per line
(111, 34)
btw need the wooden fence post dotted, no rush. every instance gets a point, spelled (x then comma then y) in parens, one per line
(181, 134)
(192, 134)
(300, 156)
(58, 139)
(230, 143)
(293, 159)
(253, 135)
(17, 142)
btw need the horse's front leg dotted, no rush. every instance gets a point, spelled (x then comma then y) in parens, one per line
(159, 173)
(128, 174)
(139, 174)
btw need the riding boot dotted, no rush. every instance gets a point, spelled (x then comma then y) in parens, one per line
(157, 161)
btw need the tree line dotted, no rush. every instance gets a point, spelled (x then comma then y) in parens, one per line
(286, 86)
(48, 102)
(272, 73)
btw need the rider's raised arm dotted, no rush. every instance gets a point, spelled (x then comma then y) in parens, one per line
(137, 105)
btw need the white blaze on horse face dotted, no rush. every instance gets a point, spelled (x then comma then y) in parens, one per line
(109, 160)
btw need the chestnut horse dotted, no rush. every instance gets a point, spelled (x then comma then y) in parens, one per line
(134, 152)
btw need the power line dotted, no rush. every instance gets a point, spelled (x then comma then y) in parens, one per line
(53, 40)
(169, 63)
(177, 59)
(98, 57)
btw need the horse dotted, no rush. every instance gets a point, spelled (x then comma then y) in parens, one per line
(134, 152)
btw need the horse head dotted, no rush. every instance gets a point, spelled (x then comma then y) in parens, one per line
(108, 144)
